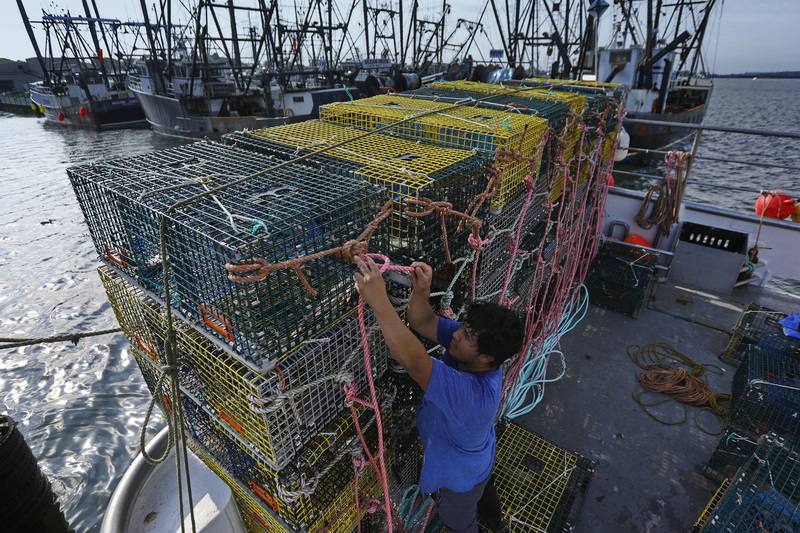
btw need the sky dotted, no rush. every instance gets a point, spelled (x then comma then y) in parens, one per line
(744, 35)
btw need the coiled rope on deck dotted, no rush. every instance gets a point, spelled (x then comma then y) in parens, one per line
(667, 371)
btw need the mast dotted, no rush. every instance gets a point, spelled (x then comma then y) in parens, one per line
(95, 40)
(237, 57)
(32, 37)
(697, 41)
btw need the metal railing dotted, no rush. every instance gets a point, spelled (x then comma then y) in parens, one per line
(698, 129)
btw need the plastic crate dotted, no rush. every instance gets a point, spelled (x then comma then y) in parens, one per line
(758, 325)
(482, 130)
(277, 216)
(403, 168)
(542, 486)
(276, 412)
(764, 496)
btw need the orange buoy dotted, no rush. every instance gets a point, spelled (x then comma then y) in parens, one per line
(61, 116)
(610, 180)
(82, 111)
(638, 240)
(775, 204)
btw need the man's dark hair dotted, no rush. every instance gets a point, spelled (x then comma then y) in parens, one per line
(498, 330)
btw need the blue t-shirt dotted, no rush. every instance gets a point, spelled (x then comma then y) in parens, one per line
(456, 421)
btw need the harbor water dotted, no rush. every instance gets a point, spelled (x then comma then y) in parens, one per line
(81, 406)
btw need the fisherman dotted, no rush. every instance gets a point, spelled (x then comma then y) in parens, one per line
(462, 392)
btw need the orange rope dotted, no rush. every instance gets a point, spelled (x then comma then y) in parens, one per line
(256, 269)
(443, 209)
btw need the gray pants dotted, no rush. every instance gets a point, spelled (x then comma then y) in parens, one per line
(458, 511)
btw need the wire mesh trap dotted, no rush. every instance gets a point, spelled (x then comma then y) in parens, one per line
(305, 504)
(316, 490)
(541, 486)
(603, 100)
(481, 130)
(276, 412)
(404, 169)
(766, 399)
(759, 325)
(289, 214)
(774, 375)
(765, 495)
(620, 277)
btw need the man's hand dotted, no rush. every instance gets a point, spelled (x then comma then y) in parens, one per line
(369, 282)
(421, 277)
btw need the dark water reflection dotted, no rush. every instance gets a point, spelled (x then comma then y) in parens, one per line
(80, 407)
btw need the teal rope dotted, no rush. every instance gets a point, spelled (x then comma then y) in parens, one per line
(257, 224)
(344, 86)
(411, 517)
(157, 398)
(531, 380)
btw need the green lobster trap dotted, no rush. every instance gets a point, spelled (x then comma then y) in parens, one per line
(294, 215)
(621, 276)
(275, 412)
(765, 399)
(482, 130)
(404, 169)
(759, 326)
(764, 496)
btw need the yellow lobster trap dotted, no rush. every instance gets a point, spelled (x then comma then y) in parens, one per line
(446, 125)
(404, 168)
(275, 412)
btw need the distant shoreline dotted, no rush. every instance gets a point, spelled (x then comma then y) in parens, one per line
(768, 75)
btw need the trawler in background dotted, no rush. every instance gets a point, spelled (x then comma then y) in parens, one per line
(205, 81)
(653, 48)
(84, 72)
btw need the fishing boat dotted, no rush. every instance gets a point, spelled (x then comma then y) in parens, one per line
(267, 333)
(653, 48)
(206, 82)
(82, 84)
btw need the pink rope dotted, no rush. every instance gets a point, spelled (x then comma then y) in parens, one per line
(380, 468)
(515, 248)
(570, 249)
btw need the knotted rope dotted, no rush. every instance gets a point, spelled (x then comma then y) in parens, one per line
(256, 269)
(426, 207)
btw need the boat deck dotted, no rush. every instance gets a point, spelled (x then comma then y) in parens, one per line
(649, 475)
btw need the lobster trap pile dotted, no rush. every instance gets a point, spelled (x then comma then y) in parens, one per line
(229, 268)
(765, 398)
(763, 496)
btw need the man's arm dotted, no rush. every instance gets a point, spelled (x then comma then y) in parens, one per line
(420, 314)
(402, 343)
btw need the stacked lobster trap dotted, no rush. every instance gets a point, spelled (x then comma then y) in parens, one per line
(418, 176)
(229, 267)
